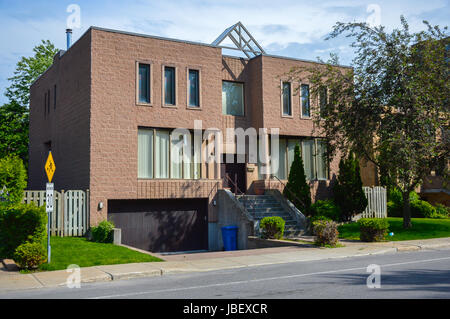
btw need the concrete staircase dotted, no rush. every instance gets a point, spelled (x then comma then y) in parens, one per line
(260, 206)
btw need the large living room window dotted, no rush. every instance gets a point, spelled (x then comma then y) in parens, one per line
(232, 98)
(164, 155)
(313, 153)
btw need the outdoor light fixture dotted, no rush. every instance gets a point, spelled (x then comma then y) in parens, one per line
(100, 205)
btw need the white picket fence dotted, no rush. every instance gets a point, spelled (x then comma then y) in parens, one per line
(377, 202)
(70, 215)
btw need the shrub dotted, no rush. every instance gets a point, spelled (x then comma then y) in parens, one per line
(348, 192)
(442, 211)
(20, 223)
(13, 177)
(421, 208)
(103, 233)
(30, 255)
(298, 185)
(395, 203)
(326, 232)
(272, 227)
(327, 209)
(373, 229)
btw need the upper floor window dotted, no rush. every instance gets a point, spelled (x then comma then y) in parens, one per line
(305, 100)
(144, 83)
(194, 88)
(54, 97)
(232, 98)
(287, 107)
(169, 86)
(323, 98)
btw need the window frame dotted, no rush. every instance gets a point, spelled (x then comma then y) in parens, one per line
(169, 169)
(301, 101)
(150, 83)
(163, 86)
(243, 98)
(199, 106)
(290, 100)
(300, 140)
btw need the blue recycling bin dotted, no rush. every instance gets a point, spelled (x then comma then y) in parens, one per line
(229, 237)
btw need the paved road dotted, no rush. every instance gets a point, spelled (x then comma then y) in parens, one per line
(420, 274)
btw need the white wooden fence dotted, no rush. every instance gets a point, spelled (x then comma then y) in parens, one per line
(70, 215)
(377, 202)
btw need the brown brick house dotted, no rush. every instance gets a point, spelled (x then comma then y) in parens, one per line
(106, 108)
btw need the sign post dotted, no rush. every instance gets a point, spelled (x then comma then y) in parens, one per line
(50, 170)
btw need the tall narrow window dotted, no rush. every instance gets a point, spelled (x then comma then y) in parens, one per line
(291, 152)
(308, 158)
(145, 153)
(281, 173)
(305, 100)
(287, 109)
(194, 88)
(162, 154)
(176, 156)
(54, 97)
(169, 85)
(48, 101)
(144, 83)
(321, 159)
(323, 99)
(232, 98)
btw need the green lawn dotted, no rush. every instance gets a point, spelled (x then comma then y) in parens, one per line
(79, 251)
(422, 228)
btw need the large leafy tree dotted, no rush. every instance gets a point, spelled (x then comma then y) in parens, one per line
(392, 108)
(14, 116)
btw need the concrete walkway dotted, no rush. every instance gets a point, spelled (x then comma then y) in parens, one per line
(208, 261)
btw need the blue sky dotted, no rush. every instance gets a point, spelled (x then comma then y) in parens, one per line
(294, 28)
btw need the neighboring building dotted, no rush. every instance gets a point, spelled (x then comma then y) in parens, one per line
(106, 106)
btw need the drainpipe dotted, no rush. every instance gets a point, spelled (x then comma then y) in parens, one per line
(69, 38)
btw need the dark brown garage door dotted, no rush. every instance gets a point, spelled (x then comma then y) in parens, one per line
(161, 225)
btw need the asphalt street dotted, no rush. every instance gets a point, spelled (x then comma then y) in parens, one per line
(419, 274)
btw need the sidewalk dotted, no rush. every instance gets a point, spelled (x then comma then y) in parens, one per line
(208, 261)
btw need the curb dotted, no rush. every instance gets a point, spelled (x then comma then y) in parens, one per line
(107, 273)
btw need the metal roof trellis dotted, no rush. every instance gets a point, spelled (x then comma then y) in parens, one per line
(242, 39)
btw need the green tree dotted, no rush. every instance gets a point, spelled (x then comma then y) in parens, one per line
(14, 131)
(297, 189)
(392, 107)
(14, 116)
(13, 178)
(348, 192)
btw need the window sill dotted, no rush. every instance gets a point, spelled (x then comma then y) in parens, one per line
(143, 104)
(170, 106)
(287, 116)
(195, 108)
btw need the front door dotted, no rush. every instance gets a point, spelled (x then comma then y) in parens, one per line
(236, 175)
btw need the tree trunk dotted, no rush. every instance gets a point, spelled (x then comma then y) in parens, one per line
(406, 211)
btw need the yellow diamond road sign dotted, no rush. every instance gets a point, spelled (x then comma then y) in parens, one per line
(50, 167)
